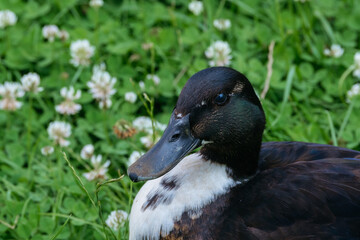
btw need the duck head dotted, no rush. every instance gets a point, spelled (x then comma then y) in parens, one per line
(218, 110)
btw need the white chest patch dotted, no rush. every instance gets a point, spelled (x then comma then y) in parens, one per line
(189, 186)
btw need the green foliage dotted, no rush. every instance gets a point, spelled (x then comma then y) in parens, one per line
(46, 197)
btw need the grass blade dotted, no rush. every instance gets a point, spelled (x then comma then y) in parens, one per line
(289, 80)
(98, 186)
(78, 180)
(326, 25)
(346, 119)
(60, 229)
(52, 214)
(344, 76)
(332, 129)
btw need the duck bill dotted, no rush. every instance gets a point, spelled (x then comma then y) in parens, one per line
(176, 142)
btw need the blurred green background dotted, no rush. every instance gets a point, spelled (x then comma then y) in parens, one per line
(46, 197)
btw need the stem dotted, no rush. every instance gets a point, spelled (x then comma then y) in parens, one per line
(31, 159)
(11, 226)
(152, 118)
(102, 220)
(346, 119)
(150, 111)
(219, 8)
(269, 69)
(131, 195)
(54, 236)
(344, 76)
(78, 180)
(76, 156)
(8, 122)
(29, 123)
(59, 15)
(332, 129)
(98, 186)
(105, 127)
(42, 103)
(60, 165)
(77, 75)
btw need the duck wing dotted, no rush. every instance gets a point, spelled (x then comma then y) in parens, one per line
(276, 154)
(302, 191)
(312, 199)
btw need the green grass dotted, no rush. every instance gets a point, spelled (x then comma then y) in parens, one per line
(47, 197)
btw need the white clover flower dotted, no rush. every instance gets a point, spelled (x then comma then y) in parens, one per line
(7, 18)
(49, 32)
(222, 24)
(148, 141)
(81, 51)
(219, 52)
(68, 106)
(135, 155)
(353, 92)
(335, 51)
(142, 123)
(356, 72)
(145, 124)
(102, 86)
(130, 97)
(99, 171)
(142, 85)
(357, 59)
(9, 92)
(96, 3)
(58, 131)
(30, 83)
(47, 150)
(116, 219)
(160, 126)
(99, 68)
(154, 78)
(87, 151)
(63, 35)
(196, 7)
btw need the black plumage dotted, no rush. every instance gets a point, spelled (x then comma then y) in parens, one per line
(302, 191)
(295, 190)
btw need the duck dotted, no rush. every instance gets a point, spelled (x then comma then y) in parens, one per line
(235, 186)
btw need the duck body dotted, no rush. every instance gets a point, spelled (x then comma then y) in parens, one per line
(293, 194)
(235, 187)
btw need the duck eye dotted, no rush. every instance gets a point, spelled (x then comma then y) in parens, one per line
(220, 99)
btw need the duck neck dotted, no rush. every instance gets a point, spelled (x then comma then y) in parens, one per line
(241, 160)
